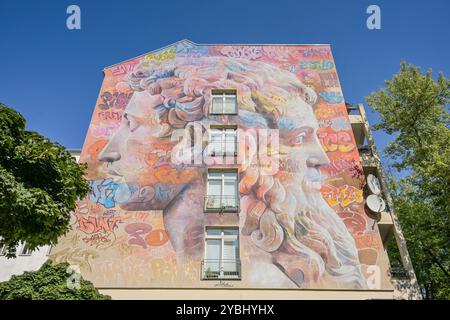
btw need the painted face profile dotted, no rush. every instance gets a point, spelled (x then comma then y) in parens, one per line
(284, 212)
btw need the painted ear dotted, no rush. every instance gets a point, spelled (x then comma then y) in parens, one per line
(270, 235)
(309, 95)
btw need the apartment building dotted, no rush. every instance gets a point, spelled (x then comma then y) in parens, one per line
(233, 172)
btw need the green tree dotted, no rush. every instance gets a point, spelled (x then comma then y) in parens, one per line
(414, 108)
(39, 185)
(50, 282)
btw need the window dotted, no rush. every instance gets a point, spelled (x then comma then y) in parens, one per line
(224, 102)
(2, 250)
(222, 190)
(25, 250)
(221, 254)
(222, 141)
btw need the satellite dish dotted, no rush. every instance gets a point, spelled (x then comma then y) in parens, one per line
(375, 203)
(374, 184)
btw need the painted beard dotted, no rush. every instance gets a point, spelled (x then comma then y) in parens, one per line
(321, 235)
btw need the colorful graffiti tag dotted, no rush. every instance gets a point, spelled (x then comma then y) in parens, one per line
(143, 223)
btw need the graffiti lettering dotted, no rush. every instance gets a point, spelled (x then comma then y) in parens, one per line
(343, 195)
(277, 53)
(123, 68)
(106, 131)
(110, 115)
(332, 97)
(163, 269)
(338, 165)
(325, 123)
(336, 141)
(107, 192)
(251, 53)
(291, 68)
(136, 231)
(340, 124)
(316, 52)
(96, 240)
(327, 113)
(317, 65)
(76, 256)
(92, 225)
(336, 124)
(329, 79)
(189, 50)
(157, 237)
(114, 100)
(166, 55)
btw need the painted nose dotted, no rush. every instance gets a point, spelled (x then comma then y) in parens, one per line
(318, 156)
(109, 156)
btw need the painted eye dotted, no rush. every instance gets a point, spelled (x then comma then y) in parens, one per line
(131, 122)
(133, 125)
(299, 138)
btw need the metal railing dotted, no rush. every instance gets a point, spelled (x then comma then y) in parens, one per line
(221, 203)
(398, 273)
(365, 150)
(218, 269)
(352, 109)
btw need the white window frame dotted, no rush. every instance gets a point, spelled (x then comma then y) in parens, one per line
(27, 253)
(225, 131)
(223, 178)
(223, 237)
(223, 94)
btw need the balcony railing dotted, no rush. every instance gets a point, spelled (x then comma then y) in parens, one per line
(398, 273)
(218, 269)
(352, 109)
(221, 203)
(365, 150)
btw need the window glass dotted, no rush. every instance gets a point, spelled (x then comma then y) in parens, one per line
(224, 103)
(213, 232)
(221, 253)
(217, 105)
(229, 105)
(25, 250)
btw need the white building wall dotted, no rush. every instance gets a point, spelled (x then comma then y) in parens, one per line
(22, 263)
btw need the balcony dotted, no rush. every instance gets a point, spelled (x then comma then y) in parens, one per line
(398, 273)
(220, 203)
(220, 269)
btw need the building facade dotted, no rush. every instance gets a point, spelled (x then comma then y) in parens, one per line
(230, 171)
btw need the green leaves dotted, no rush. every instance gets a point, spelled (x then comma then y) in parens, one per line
(48, 283)
(39, 185)
(414, 107)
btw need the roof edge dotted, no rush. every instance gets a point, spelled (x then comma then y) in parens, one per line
(217, 44)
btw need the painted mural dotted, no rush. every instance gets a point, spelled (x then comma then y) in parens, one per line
(301, 225)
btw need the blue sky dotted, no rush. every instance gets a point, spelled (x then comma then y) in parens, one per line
(52, 75)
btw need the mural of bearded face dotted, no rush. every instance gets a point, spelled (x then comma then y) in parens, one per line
(283, 213)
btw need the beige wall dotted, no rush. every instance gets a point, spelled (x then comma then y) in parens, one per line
(227, 294)
(404, 290)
